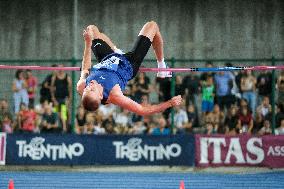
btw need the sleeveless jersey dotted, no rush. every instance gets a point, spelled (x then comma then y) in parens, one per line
(113, 69)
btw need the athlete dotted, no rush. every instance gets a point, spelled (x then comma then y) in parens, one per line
(104, 82)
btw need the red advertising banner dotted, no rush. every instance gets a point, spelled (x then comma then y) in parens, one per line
(242, 150)
(2, 148)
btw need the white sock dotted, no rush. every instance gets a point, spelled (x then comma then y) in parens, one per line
(162, 64)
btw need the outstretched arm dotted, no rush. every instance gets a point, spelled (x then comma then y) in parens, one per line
(125, 102)
(86, 62)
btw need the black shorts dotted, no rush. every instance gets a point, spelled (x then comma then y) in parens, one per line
(101, 49)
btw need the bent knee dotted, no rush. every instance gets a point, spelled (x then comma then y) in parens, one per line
(152, 24)
(95, 30)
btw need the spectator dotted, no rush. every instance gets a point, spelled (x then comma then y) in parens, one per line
(204, 75)
(280, 87)
(223, 83)
(266, 129)
(50, 120)
(122, 118)
(209, 128)
(6, 116)
(26, 119)
(138, 128)
(161, 128)
(238, 78)
(144, 119)
(264, 108)
(248, 87)
(164, 85)
(192, 118)
(61, 94)
(80, 121)
(45, 91)
(91, 118)
(233, 85)
(279, 114)
(245, 123)
(217, 117)
(258, 123)
(32, 86)
(141, 86)
(263, 84)
(181, 119)
(19, 88)
(179, 87)
(191, 84)
(6, 124)
(208, 93)
(280, 129)
(231, 121)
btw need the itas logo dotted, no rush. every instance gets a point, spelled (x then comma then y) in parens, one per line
(135, 151)
(37, 150)
(251, 153)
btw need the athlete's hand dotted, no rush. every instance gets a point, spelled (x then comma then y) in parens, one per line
(176, 100)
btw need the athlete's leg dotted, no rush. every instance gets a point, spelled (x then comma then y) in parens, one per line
(101, 44)
(98, 35)
(151, 30)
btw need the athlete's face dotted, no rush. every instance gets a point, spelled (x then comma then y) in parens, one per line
(94, 89)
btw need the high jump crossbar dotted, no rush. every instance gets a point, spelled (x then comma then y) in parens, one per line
(143, 69)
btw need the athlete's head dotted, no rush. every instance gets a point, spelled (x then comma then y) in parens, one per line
(92, 96)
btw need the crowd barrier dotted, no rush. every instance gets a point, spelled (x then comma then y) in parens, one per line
(175, 150)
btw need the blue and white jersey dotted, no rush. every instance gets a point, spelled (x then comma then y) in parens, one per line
(113, 69)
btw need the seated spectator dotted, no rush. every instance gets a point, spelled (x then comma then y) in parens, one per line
(99, 130)
(6, 124)
(26, 119)
(266, 129)
(91, 120)
(209, 128)
(6, 117)
(122, 118)
(279, 113)
(218, 117)
(106, 111)
(80, 121)
(231, 121)
(180, 119)
(122, 121)
(264, 108)
(192, 115)
(258, 123)
(280, 129)
(138, 128)
(245, 124)
(161, 126)
(50, 120)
